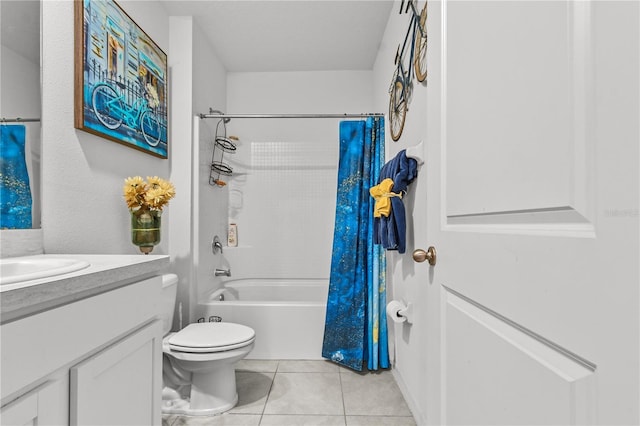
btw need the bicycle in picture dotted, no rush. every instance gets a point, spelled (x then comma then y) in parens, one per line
(112, 110)
(402, 83)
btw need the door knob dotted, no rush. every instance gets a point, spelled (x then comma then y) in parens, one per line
(420, 255)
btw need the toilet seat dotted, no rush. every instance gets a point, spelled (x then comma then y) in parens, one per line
(211, 337)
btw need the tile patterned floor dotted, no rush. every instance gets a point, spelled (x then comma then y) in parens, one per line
(308, 393)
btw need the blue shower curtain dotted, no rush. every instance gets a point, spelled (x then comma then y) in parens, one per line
(355, 327)
(15, 192)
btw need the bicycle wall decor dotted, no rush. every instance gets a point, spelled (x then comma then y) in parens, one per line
(401, 87)
(120, 79)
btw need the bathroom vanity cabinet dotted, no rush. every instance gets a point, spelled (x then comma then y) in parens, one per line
(96, 360)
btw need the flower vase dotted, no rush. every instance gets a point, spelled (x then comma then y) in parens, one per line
(145, 229)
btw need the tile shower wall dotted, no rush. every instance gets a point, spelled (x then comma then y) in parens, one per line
(282, 194)
(282, 202)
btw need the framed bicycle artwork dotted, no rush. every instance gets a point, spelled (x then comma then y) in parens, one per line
(121, 83)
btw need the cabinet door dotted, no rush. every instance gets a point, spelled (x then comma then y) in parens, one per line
(128, 375)
(46, 405)
(22, 412)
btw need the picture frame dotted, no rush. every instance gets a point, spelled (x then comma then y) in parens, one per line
(121, 79)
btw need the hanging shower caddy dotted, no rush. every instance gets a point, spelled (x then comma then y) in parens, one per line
(221, 145)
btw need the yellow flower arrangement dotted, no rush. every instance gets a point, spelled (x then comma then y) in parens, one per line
(153, 194)
(153, 99)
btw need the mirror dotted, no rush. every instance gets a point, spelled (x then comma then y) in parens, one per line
(20, 91)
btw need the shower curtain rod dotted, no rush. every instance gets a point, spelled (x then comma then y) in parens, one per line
(364, 115)
(18, 120)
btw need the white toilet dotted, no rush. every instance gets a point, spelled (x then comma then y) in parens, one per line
(199, 361)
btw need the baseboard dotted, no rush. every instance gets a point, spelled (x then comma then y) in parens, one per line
(418, 415)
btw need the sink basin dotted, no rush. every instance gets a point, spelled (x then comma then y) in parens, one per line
(18, 269)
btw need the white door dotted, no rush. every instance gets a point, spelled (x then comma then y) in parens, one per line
(532, 169)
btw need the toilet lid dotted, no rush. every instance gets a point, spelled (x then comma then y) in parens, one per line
(211, 337)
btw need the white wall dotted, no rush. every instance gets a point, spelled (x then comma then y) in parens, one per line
(182, 225)
(211, 80)
(198, 82)
(210, 83)
(83, 174)
(282, 195)
(83, 210)
(405, 280)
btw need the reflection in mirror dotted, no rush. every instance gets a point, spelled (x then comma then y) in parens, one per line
(20, 113)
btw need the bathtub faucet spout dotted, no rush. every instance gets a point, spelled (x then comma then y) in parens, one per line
(222, 272)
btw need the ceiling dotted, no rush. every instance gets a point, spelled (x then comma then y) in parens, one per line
(20, 27)
(290, 35)
(259, 35)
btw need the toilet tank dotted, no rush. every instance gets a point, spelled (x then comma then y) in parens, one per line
(169, 292)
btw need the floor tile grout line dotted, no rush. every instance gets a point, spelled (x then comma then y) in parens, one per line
(344, 407)
(273, 379)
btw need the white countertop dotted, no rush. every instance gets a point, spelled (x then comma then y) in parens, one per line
(105, 272)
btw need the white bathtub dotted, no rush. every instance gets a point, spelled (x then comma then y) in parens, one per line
(287, 314)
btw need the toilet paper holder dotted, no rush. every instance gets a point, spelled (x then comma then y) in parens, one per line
(399, 312)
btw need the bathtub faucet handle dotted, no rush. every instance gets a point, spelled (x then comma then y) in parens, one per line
(222, 272)
(216, 245)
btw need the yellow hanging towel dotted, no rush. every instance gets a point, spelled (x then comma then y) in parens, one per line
(382, 194)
